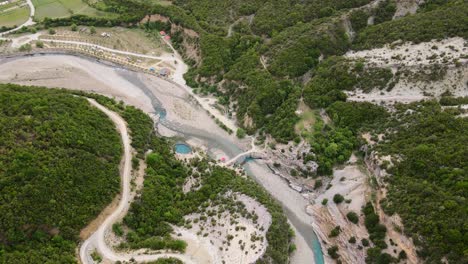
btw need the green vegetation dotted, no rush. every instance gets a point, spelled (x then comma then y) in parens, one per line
(447, 21)
(336, 74)
(290, 52)
(335, 231)
(338, 198)
(377, 234)
(384, 11)
(166, 261)
(139, 124)
(62, 8)
(330, 79)
(260, 65)
(333, 252)
(163, 202)
(59, 169)
(428, 186)
(39, 44)
(25, 48)
(376, 230)
(96, 257)
(330, 146)
(13, 17)
(451, 101)
(353, 217)
(356, 116)
(240, 133)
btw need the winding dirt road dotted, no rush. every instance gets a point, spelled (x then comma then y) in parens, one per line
(97, 240)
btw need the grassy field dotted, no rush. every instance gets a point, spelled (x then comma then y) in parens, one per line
(9, 5)
(305, 126)
(64, 8)
(14, 17)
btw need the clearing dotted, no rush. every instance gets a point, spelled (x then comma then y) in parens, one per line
(305, 126)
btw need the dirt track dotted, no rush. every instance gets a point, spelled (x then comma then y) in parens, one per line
(97, 240)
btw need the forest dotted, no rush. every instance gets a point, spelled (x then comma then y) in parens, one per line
(292, 48)
(59, 168)
(261, 58)
(428, 187)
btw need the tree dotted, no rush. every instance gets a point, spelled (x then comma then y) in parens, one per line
(335, 231)
(338, 198)
(240, 133)
(324, 201)
(353, 217)
(365, 242)
(402, 255)
(333, 252)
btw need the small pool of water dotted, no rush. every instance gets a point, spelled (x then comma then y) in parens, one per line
(248, 159)
(162, 113)
(182, 148)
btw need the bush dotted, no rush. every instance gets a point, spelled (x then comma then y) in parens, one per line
(117, 228)
(40, 44)
(324, 201)
(335, 231)
(52, 31)
(352, 240)
(365, 242)
(353, 217)
(402, 255)
(333, 252)
(338, 198)
(25, 48)
(318, 184)
(449, 100)
(240, 133)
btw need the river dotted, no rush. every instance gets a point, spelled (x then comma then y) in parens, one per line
(135, 88)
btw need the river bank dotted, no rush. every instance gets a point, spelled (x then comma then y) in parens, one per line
(183, 117)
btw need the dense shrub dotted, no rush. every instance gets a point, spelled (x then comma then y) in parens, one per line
(61, 156)
(353, 217)
(338, 198)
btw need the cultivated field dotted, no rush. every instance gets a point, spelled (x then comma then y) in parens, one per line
(64, 8)
(13, 15)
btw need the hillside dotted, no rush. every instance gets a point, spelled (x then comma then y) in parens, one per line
(60, 159)
(358, 106)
